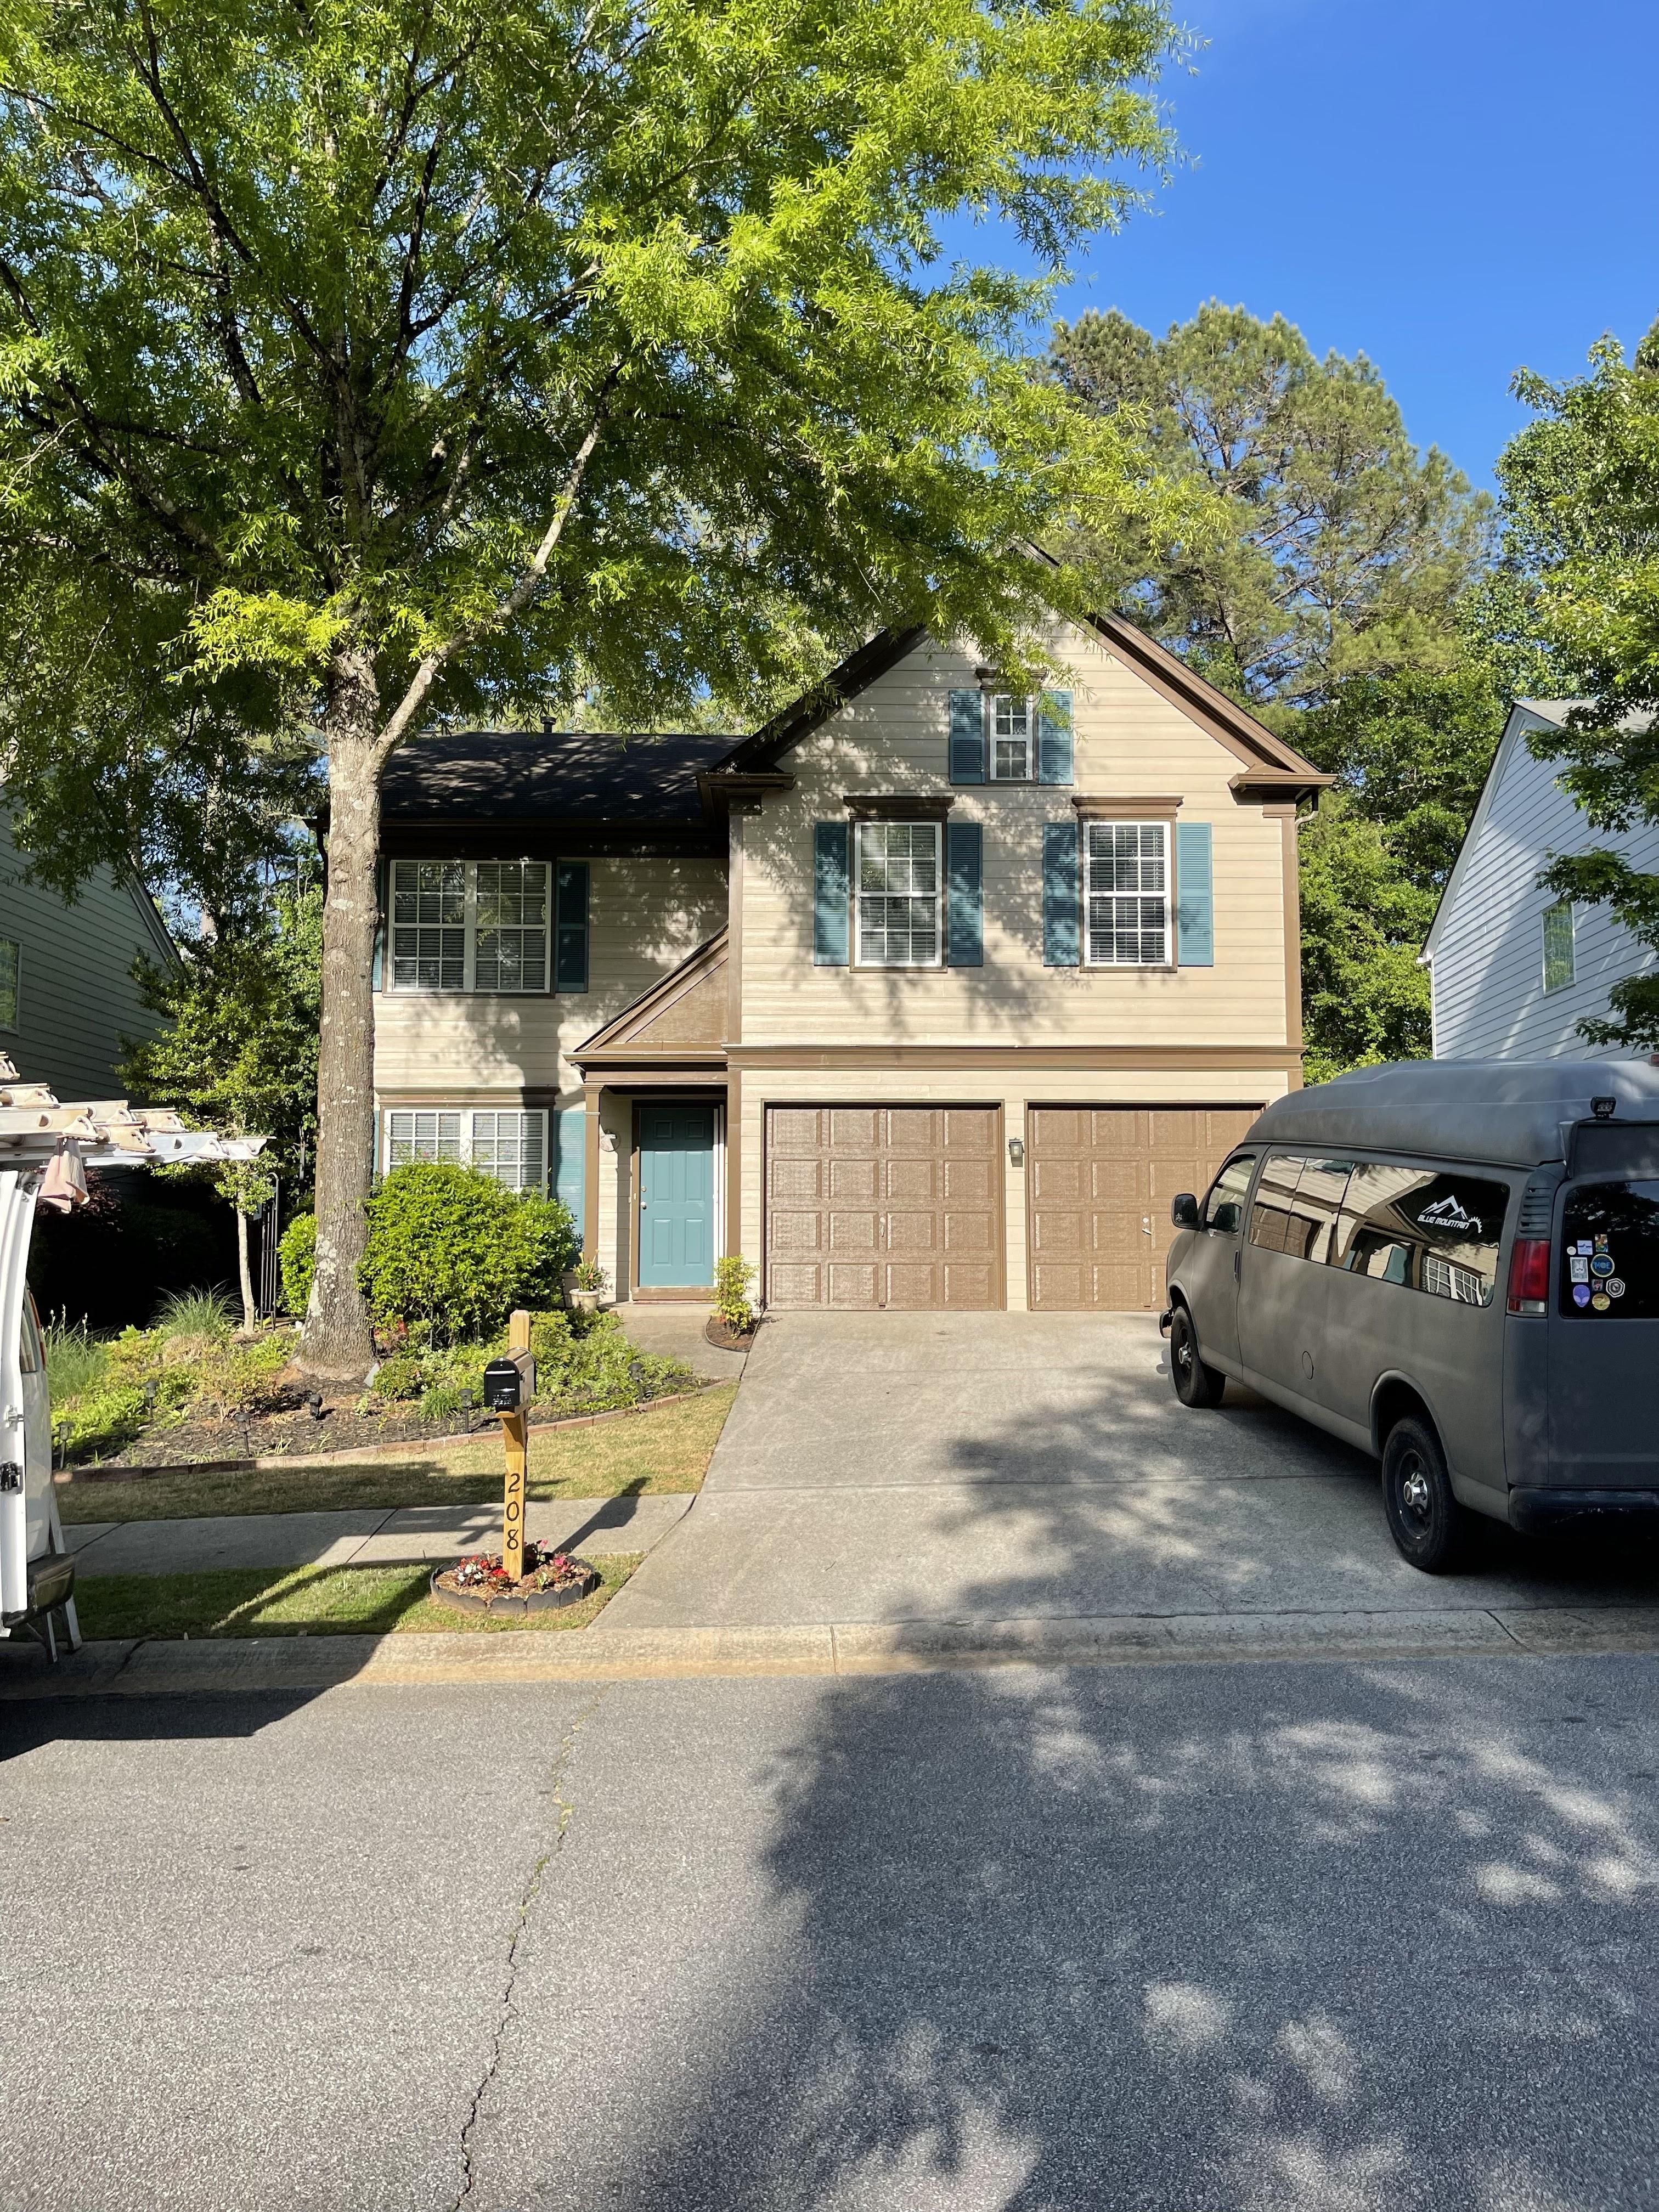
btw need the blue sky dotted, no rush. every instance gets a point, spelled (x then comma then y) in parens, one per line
(1454, 189)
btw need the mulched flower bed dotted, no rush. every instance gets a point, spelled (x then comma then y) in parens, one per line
(292, 1428)
(480, 1584)
(727, 1340)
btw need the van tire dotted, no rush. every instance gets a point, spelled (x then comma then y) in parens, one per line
(1429, 1527)
(1195, 1383)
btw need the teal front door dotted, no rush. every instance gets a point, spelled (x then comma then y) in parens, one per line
(676, 1197)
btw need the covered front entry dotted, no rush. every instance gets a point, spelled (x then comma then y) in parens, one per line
(674, 1157)
(1098, 1185)
(875, 1207)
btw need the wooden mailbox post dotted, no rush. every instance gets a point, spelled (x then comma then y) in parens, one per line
(509, 1386)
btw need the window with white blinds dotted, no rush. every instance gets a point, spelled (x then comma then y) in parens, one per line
(511, 1146)
(470, 924)
(1125, 893)
(898, 894)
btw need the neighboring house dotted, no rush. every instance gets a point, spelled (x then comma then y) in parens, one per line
(68, 998)
(1512, 969)
(925, 995)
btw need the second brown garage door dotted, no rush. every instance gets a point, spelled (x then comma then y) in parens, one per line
(875, 1207)
(1098, 1187)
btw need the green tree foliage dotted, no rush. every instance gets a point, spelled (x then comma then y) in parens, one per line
(449, 1248)
(239, 1052)
(1581, 485)
(1364, 996)
(366, 363)
(1343, 548)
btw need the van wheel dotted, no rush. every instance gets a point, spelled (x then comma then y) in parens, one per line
(1195, 1383)
(1428, 1525)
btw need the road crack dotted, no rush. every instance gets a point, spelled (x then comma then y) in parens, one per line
(564, 1810)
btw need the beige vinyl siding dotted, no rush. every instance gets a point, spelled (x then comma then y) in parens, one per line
(644, 917)
(1128, 741)
(77, 999)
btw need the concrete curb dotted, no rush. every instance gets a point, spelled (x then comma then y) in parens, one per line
(303, 1665)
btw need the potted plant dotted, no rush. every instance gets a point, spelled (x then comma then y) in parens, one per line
(584, 1285)
(732, 1323)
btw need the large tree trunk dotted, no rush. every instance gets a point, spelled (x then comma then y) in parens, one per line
(336, 1344)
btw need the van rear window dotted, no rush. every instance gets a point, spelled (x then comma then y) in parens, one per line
(1610, 1251)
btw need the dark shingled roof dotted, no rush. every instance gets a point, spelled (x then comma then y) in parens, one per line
(554, 776)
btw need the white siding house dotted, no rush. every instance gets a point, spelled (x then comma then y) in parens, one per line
(1513, 972)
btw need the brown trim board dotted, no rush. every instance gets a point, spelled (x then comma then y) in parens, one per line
(1056, 1060)
(1291, 852)
(1157, 809)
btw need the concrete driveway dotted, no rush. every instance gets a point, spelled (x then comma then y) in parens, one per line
(1003, 1467)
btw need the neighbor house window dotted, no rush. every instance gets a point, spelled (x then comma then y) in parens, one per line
(1125, 893)
(11, 977)
(1013, 726)
(509, 1146)
(898, 894)
(470, 924)
(1558, 945)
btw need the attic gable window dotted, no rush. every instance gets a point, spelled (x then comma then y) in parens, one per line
(1013, 725)
(470, 925)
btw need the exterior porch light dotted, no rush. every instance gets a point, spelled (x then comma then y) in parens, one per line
(1016, 1152)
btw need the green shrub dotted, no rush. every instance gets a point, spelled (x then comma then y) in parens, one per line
(296, 1255)
(440, 1403)
(449, 1247)
(733, 1279)
(196, 1313)
(75, 1360)
(589, 1365)
(398, 1377)
(241, 1379)
(105, 1419)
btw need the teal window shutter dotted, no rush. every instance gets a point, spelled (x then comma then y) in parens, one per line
(1194, 897)
(967, 756)
(570, 1176)
(570, 911)
(1055, 752)
(1060, 895)
(377, 979)
(830, 901)
(964, 913)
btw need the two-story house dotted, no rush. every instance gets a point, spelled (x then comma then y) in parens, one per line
(1512, 969)
(928, 995)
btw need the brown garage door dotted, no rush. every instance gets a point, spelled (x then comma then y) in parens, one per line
(1098, 1188)
(871, 1206)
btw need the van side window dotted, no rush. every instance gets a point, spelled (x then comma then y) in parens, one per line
(1275, 1201)
(1610, 1251)
(1297, 1203)
(1229, 1187)
(1436, 1232)
(32, 1358)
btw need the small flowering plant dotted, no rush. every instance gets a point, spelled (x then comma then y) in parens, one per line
(544, 1569)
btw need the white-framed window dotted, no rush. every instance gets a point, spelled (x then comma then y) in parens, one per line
(11, 981)
(510, 1145)
(1125, 893)
(1013, 737)
(1559, 946)
(470, 924)
(898, 877)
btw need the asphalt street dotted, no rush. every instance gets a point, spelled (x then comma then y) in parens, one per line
(1321, 1937)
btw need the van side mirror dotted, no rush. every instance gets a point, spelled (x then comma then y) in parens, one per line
(1227, 1217)
(1183, 1210)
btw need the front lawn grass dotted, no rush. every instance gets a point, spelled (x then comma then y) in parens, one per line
(308, 1601)
(638, 1454)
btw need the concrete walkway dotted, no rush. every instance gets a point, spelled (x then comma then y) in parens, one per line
(375, 1538)
(888, 1468)
(674, 1331)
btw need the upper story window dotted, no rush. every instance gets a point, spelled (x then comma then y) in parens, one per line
(1013, 737)
(1558, 945)
(11, 981)
(470, 924)
(898, 879)
(1125, 893)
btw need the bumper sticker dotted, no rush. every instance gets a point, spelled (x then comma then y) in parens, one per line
(1578, 1269)
(1600, 1302)
(1581, 1294)
(1614, 1286)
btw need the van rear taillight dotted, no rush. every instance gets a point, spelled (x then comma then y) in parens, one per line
(1529, 1275)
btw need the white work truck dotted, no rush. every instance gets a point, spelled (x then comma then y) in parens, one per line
(46, 1146)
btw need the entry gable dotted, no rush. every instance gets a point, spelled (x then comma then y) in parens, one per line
(680, 1017)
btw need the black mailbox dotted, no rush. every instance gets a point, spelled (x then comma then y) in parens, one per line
(509, 1383)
